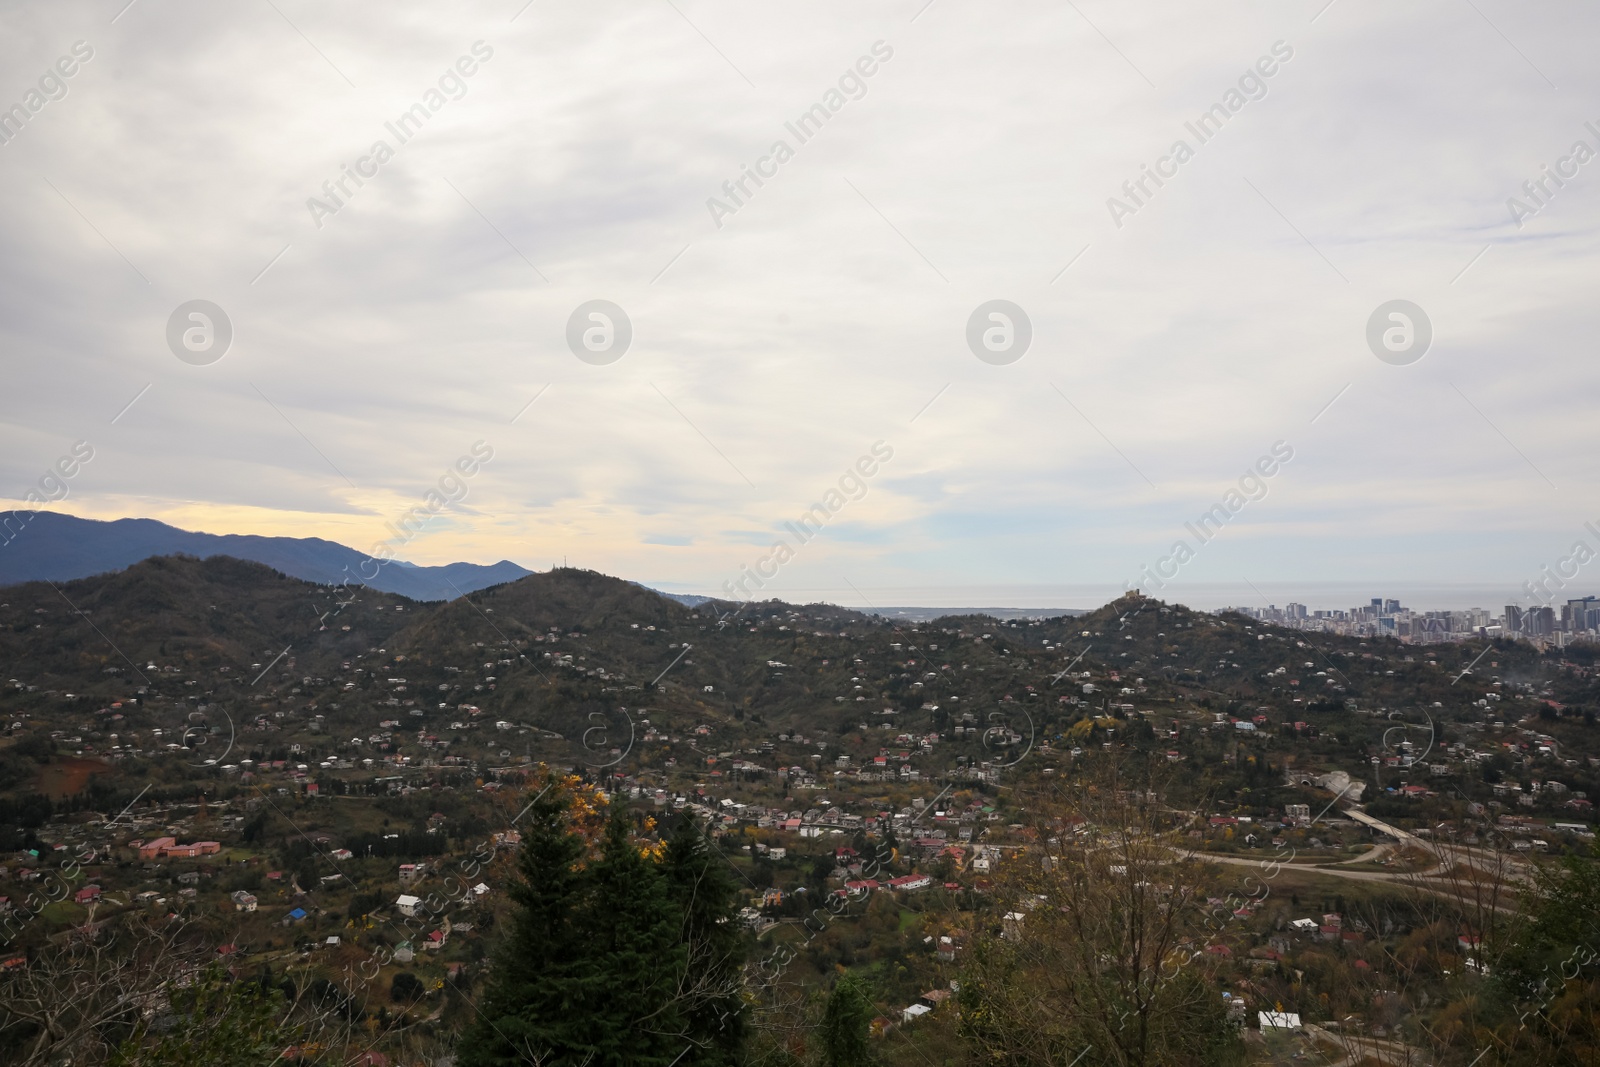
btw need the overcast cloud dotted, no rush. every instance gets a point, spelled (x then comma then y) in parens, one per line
(775, 343)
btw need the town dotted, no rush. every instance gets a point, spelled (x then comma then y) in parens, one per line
(350, 810)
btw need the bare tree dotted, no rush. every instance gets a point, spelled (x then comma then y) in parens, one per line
(1100, 955)
(75, 998)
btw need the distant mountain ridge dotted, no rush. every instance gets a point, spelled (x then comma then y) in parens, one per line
(47, 546)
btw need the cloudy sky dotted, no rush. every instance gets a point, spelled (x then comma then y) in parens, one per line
(1178, 334)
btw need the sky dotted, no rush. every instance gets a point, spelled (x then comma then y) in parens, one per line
(1156, 347)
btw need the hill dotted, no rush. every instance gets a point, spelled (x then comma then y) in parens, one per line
(47, 546)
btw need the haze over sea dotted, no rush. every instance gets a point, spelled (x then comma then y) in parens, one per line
(1317, 596)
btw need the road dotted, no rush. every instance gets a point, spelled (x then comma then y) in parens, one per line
(1487, 861)
(1370, 1048)
(1334, 871)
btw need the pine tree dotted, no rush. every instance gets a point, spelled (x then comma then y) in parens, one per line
(846, 1026)
(598, 968)
(540, 970)
(702, 885)
(636, 1010)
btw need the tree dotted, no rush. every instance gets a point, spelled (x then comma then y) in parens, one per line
(405, 988)
(1100, 957)
(1548, 979)
(846, 1026)
(543, 964)
(703, 887)
(213, 1021)
(620, 952)
(82, 998)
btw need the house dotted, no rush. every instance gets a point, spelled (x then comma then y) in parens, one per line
(913, 1013)
(403, 953)
(243, 901)
(410, 872)
(407, 904)
(297, 915)
(86, 895)
(1305, 926)
(1278, 1020)
(911, 882)
(434, 941)
(154, 850)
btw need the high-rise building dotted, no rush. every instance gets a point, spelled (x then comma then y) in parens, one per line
(1577, 613)
(1390, 607)
(1539, 622)
(1513, 621)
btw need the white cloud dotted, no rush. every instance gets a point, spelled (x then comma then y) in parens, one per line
(831, 308)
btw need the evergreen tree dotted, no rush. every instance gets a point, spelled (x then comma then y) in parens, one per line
(540, 971)
(846, 1028)
(702, 886)
(636, 1009)
(608, 956)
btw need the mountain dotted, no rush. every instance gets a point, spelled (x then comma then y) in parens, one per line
(571, 665)
(46, 546)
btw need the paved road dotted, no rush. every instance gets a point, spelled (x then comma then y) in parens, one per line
(1402, 880)
(1359, 1048)
(1334, 871)
(1485, 860)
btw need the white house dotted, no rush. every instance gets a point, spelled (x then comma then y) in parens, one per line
(407, 904)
